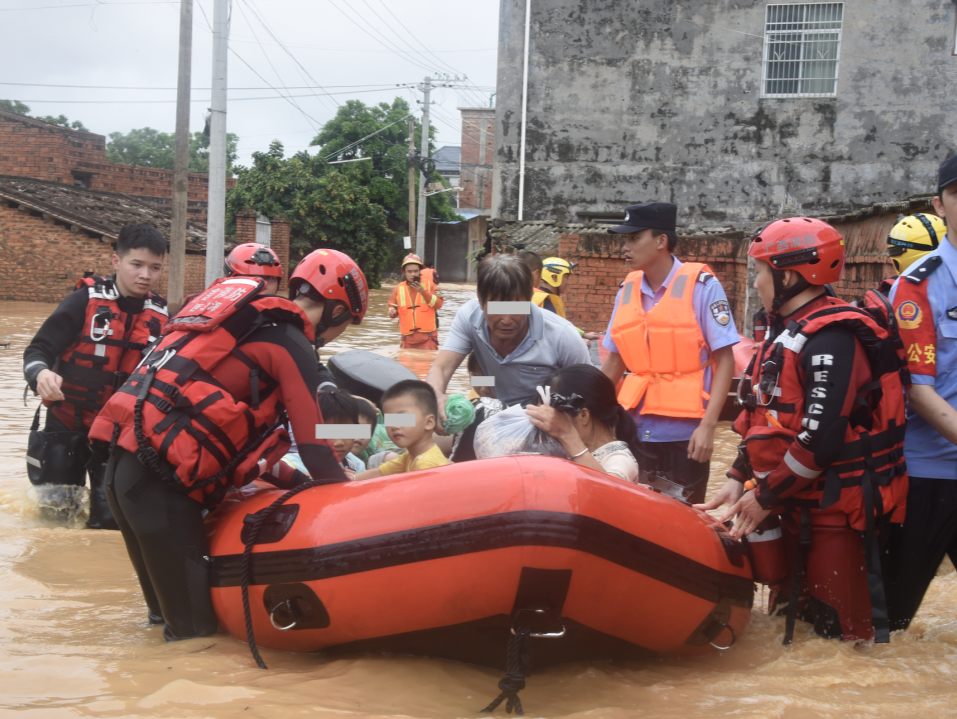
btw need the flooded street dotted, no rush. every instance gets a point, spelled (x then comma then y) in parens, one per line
(74, 640)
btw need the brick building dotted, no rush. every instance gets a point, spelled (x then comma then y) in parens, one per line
(43, 151)
(478, 149)
(590, 295)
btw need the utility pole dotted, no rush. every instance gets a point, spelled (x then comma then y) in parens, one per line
(423, 180)
(411, 177)
(216, 215)
(177, 239)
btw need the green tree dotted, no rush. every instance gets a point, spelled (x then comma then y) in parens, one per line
(386, 174)
(14, 106)
(326, 206)
(63, 121)
(146, 147)
(22, 109)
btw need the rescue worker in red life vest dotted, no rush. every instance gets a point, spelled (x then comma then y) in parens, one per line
(252, 260)
(823, 433)
(416, 303)
(207, 411)
(83, 352)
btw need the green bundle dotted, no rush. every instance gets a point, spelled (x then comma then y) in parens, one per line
(459, 414)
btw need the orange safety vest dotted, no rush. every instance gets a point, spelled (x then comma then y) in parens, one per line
(427, 275)
(415, 314)
(662, 347)
(539, 297)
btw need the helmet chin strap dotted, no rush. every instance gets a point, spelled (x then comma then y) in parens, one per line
(782, 294)
(327, 321)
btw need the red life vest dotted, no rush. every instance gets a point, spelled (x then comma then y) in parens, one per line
(874, 438)
(180, 420)
(107, 350)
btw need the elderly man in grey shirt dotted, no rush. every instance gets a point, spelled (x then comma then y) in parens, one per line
(520, 350)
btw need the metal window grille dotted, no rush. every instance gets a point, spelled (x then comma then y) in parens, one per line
(263, 230)
(802, 44)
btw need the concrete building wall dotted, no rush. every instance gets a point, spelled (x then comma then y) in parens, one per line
(661, 99)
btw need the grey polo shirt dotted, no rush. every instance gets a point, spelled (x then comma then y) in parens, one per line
(550, 344)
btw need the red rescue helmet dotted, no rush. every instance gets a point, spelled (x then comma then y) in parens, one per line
(252, 259)
(810, 247)
(331, 275)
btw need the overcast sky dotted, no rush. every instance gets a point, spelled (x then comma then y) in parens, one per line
(351, 49)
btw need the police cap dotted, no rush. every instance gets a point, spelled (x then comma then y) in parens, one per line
(648, 216)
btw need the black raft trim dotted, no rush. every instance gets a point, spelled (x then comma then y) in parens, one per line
(482, 534)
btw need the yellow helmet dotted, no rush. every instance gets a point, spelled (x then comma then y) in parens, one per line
(554, 270)
(912, 238)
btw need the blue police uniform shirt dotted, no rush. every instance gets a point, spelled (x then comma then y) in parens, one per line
(927, 316)
(711, 309)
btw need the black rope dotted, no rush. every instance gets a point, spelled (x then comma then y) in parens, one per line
(517, 667)
(255, 521)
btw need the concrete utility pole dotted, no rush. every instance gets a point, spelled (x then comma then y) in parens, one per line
(177, 240)
(216, 214)
(423, 180)
(411, 177)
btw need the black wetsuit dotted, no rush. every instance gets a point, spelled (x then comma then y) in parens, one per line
(163, 528)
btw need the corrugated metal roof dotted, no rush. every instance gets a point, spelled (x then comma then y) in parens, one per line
(100, 213)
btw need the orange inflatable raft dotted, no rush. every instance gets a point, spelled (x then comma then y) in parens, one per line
(444, 562)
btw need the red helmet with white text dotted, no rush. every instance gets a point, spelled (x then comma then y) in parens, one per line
(810, 247)
(252, 259)
(332, 275)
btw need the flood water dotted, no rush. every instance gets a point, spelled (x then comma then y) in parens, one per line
(74, 639)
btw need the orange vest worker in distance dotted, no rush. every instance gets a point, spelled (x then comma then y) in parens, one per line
(415, 302)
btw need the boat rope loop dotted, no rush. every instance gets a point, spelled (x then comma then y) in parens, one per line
(255, 521)
(517, 667)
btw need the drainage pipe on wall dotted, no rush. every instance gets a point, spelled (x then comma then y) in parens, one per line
(521, 156)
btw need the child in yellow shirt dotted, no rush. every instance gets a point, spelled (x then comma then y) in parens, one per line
(410, 410)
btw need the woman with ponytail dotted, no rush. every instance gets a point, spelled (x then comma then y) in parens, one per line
(592, 427)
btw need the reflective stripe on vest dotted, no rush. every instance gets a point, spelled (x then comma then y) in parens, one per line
(415, 314)
(662, 347)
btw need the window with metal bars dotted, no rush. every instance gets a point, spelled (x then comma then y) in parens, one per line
(802, 45)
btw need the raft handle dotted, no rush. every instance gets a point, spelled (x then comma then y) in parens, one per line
(545, 635)
(293, 614)
(734, 637)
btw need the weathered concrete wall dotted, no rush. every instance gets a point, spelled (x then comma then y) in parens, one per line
(661, 99)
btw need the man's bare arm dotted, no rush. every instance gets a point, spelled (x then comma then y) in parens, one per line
(934, 409)
(614, 367)
(444, 366)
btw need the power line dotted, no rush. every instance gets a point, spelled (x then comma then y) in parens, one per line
(123, 87)
(96, 4)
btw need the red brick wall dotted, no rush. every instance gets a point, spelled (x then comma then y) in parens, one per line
(478, 146)
(590, 296)
(46, 152)
(47, 259)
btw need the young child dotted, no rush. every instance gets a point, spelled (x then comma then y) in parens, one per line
(411, 397)
(368, 414)
(338, 406)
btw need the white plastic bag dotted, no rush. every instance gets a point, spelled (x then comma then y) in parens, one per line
(512, 432)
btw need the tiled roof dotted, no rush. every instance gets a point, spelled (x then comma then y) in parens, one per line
(540, 237)
(100, 213)
(448, 159)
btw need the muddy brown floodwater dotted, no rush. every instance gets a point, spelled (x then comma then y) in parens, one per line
(74, 639)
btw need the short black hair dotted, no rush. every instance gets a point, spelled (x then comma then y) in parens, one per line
(132, 237)
(473, 365)
(672, 238)
(531, 259)
(422, 392)
(429, 263)
(338, 406)
(367, 410)
(503, 278)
